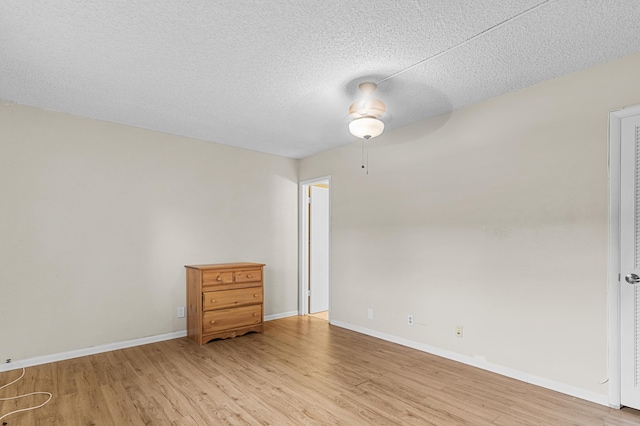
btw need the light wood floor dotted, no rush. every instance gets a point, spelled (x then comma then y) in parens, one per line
(324, 315)
(300, 371)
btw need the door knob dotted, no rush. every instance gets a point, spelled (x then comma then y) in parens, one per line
(632, 279)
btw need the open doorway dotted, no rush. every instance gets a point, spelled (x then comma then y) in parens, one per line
(314, 247)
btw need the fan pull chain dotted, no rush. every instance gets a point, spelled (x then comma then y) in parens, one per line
(365, 159)
(367, 152)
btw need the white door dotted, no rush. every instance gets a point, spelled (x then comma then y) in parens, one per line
(630, 262)
(319, 249)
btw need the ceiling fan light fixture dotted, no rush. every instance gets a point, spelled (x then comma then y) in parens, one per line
(366, 127)
(366, 112)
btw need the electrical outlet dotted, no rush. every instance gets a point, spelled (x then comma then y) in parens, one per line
(410, 319)
(459, 331)
(181, 312)
(370, 313)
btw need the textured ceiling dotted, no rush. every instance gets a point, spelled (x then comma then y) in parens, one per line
(279, 76)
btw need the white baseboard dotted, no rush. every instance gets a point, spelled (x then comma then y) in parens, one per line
(482, 364)
(45, 359)
(280, 315)
(475, 362)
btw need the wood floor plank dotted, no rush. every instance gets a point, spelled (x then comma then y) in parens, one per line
(300, 371)
(121, 408)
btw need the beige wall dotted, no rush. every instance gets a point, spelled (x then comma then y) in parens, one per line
(494, 218)
(98, 220)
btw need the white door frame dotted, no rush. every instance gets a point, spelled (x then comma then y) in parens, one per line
(615, 124)
(303, 249)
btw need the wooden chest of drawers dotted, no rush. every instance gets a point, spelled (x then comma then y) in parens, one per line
(224, 300)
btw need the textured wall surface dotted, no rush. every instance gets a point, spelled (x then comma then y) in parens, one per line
(495, 218)
(98, 221)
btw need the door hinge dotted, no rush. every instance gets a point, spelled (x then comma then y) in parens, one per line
(309, 200)
(308, 293)
(618, 277)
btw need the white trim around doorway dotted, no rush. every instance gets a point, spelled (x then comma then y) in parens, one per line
(303, 273)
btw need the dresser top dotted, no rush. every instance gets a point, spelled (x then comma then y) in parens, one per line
(226, 265)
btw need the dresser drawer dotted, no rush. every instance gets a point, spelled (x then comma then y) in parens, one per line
(230, 298)
(216, 277)
(249, 276)
(226, 319)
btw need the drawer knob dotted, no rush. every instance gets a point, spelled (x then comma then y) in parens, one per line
(255, 315)
(249, 276)
(219, 278)
(255, 295)
(213, 321)
(213, 300)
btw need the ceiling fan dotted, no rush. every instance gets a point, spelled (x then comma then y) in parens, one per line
(366, 113)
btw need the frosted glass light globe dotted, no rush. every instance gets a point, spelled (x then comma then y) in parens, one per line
(366, 127)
